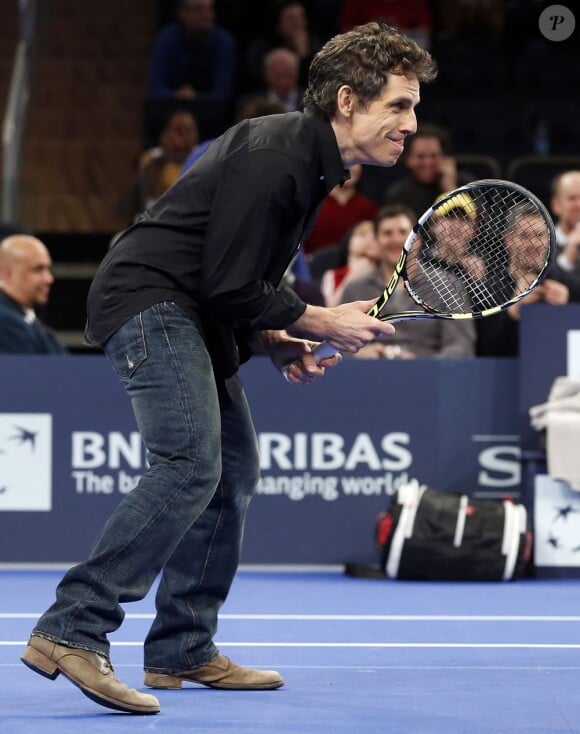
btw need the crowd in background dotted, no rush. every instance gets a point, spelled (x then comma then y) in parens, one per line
(213, 62)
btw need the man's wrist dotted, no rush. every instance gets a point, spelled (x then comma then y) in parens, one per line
(310, 324)
(262, 342)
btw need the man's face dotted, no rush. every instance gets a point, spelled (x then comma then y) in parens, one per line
(424, 159)
(179, 136)
(27, 277)
(391, 235)
(453, 234)
(363, 242)
(197, 15)
(292, 20)
(527, 242)
(566, 202)
(378, 131)
(282, 76)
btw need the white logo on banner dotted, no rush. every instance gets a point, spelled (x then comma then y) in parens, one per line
(25, 461)
(363, 466)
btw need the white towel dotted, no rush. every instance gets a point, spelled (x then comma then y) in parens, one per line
(564, 396)
(560, 416)
(563, 448)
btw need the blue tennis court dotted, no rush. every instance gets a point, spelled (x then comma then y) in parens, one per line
(357, 656)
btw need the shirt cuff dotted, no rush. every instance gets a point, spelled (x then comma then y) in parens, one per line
(283, 310)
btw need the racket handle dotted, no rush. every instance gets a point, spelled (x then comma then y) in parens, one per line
(322, 351)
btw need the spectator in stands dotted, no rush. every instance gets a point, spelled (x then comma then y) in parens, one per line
(280, 82)
(161, 166)
(193, 58)
(341, 209)
(240, 18)
(360, 255)
(469, 21)
(298, 278)
(185, 295)
(498, 335)
(414, 338)
(432, 171)
(411, 17)
(25, 281)
(290, 30)
(452, 229)
(566, 206)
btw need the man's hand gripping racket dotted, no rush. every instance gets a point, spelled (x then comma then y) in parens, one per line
(477, 251)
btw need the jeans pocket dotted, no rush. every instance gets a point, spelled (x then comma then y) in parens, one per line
(127, 348)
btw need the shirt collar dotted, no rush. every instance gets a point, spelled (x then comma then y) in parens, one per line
(333, 170)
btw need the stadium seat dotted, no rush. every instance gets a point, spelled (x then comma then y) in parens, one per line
(536, 172)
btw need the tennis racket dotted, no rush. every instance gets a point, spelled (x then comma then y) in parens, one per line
(477, 251)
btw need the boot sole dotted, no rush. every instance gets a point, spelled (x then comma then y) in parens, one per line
(174, 684)
(42, 665)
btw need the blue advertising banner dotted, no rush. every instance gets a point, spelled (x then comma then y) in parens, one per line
(331, 454)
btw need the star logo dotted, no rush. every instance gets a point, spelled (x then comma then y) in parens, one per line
(553, 541)
(563, 512)
(24, 436)
(25, 484)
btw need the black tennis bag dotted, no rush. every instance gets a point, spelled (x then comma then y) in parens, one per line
(430, 535)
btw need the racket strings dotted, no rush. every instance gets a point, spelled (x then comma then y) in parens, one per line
(478, 251)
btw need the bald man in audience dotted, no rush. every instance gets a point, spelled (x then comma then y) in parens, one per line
(566, 206)
(25, 282)
(280, 82)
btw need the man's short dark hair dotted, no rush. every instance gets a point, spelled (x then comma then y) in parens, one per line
(428, 130)
(517, 212)
(389, 211)
(362, 58)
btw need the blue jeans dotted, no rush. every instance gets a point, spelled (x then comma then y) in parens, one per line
(186, 516)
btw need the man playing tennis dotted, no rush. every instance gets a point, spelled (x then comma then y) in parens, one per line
(185, 295)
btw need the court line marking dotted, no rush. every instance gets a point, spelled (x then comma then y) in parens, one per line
(379, 645)
(355, 617)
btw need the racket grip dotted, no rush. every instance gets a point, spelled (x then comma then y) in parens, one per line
(322, 351)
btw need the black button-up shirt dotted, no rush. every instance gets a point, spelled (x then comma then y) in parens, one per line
(219, 241)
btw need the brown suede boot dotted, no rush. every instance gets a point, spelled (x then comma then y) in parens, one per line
(219, 673)
(91, 672)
